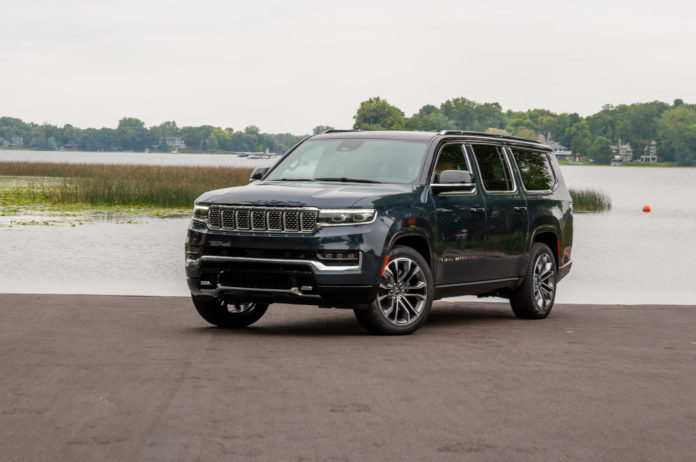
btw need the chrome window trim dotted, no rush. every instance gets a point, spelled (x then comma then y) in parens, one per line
(553, 172)
(512, 191)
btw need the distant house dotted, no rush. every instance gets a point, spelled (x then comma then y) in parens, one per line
(649, 153)
(14, 142)
(561, 152)
(623, 151)
(174, 142)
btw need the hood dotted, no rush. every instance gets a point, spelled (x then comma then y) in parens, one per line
(304, 194)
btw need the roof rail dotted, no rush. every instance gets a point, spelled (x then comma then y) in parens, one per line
(335, 130)
(487, 135)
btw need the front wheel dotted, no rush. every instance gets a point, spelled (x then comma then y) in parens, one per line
(534, 298)
(226, 315)
(404, 297)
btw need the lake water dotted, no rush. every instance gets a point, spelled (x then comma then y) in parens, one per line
(620, 257)
(133, 158)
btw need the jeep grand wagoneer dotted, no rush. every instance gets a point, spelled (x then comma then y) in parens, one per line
(384, 223)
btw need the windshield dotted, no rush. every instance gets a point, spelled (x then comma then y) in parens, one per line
(352, 160)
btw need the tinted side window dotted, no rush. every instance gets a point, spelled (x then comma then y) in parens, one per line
(535, 170)
(495, 172)
(451, 157)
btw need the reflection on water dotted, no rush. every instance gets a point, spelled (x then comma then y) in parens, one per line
(620, 257)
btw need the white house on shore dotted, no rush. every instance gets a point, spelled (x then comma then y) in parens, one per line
(623, 151)
(650, 153)
(561, 152)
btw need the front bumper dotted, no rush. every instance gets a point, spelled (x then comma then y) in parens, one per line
(272, 268)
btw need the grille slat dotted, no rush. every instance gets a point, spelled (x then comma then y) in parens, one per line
(243, 221)
(258, 220)
(253, 219)
(275, 220)
(308, 220)
(228, 219)
(291, 221)
(214, 217)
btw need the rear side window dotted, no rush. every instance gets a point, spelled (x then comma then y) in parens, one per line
(535, 170)
(495, 171)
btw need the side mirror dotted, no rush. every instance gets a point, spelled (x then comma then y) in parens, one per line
(258, 173)
(454, 180)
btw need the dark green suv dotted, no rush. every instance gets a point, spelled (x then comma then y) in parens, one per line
(384, 223)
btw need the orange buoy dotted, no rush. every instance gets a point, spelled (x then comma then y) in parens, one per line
(646, 208)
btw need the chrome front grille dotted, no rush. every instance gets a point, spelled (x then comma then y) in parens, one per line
(264, 219)
(214, 217)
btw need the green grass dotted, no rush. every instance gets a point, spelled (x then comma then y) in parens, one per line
(125, 186)
(590, 200)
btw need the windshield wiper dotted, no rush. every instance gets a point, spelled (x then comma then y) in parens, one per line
(291, 179)
(348, 180)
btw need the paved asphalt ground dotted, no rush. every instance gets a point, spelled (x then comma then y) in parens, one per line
(102, 378)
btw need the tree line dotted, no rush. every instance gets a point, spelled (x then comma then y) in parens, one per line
(673, 126)
(132, 135)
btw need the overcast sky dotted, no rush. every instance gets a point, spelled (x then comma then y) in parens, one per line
(287, 66)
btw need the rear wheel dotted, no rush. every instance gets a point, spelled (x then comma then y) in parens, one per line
(535, 297)
(404, 297)
(227, 315)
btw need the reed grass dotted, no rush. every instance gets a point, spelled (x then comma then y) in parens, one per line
(590, 200)
(125, 185)
(172, 187)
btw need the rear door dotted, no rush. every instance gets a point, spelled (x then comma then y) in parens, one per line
(506, 213)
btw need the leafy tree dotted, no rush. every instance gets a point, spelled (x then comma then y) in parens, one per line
(321, 129)
(132, 135)
(600, 151)
(677, 135)
(498, 131)
(430, 119)
(517, 121)
(638, 123)
(581, 138)
(488, 115)
(461, 111)
(527, 133)
(378, 114)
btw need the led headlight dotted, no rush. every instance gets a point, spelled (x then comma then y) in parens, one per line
(346, 217)
(200, 213)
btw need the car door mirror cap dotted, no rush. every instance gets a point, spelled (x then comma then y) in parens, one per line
(454, 180)
(258, 173)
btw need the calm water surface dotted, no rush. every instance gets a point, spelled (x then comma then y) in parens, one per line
(133, 158)
(623, 256)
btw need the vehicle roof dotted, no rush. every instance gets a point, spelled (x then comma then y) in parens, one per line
(387, 135)
(427, 136)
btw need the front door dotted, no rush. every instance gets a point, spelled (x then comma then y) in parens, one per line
(461, 222)
(506, 213)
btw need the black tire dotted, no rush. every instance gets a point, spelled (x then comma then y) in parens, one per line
(401, 306)
(535, 297)
(227, 316)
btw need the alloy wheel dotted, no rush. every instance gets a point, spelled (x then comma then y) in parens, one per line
(402, 291)
(544, 282)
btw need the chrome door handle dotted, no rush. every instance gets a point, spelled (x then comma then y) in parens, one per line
(520, 209)
(476, 210)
